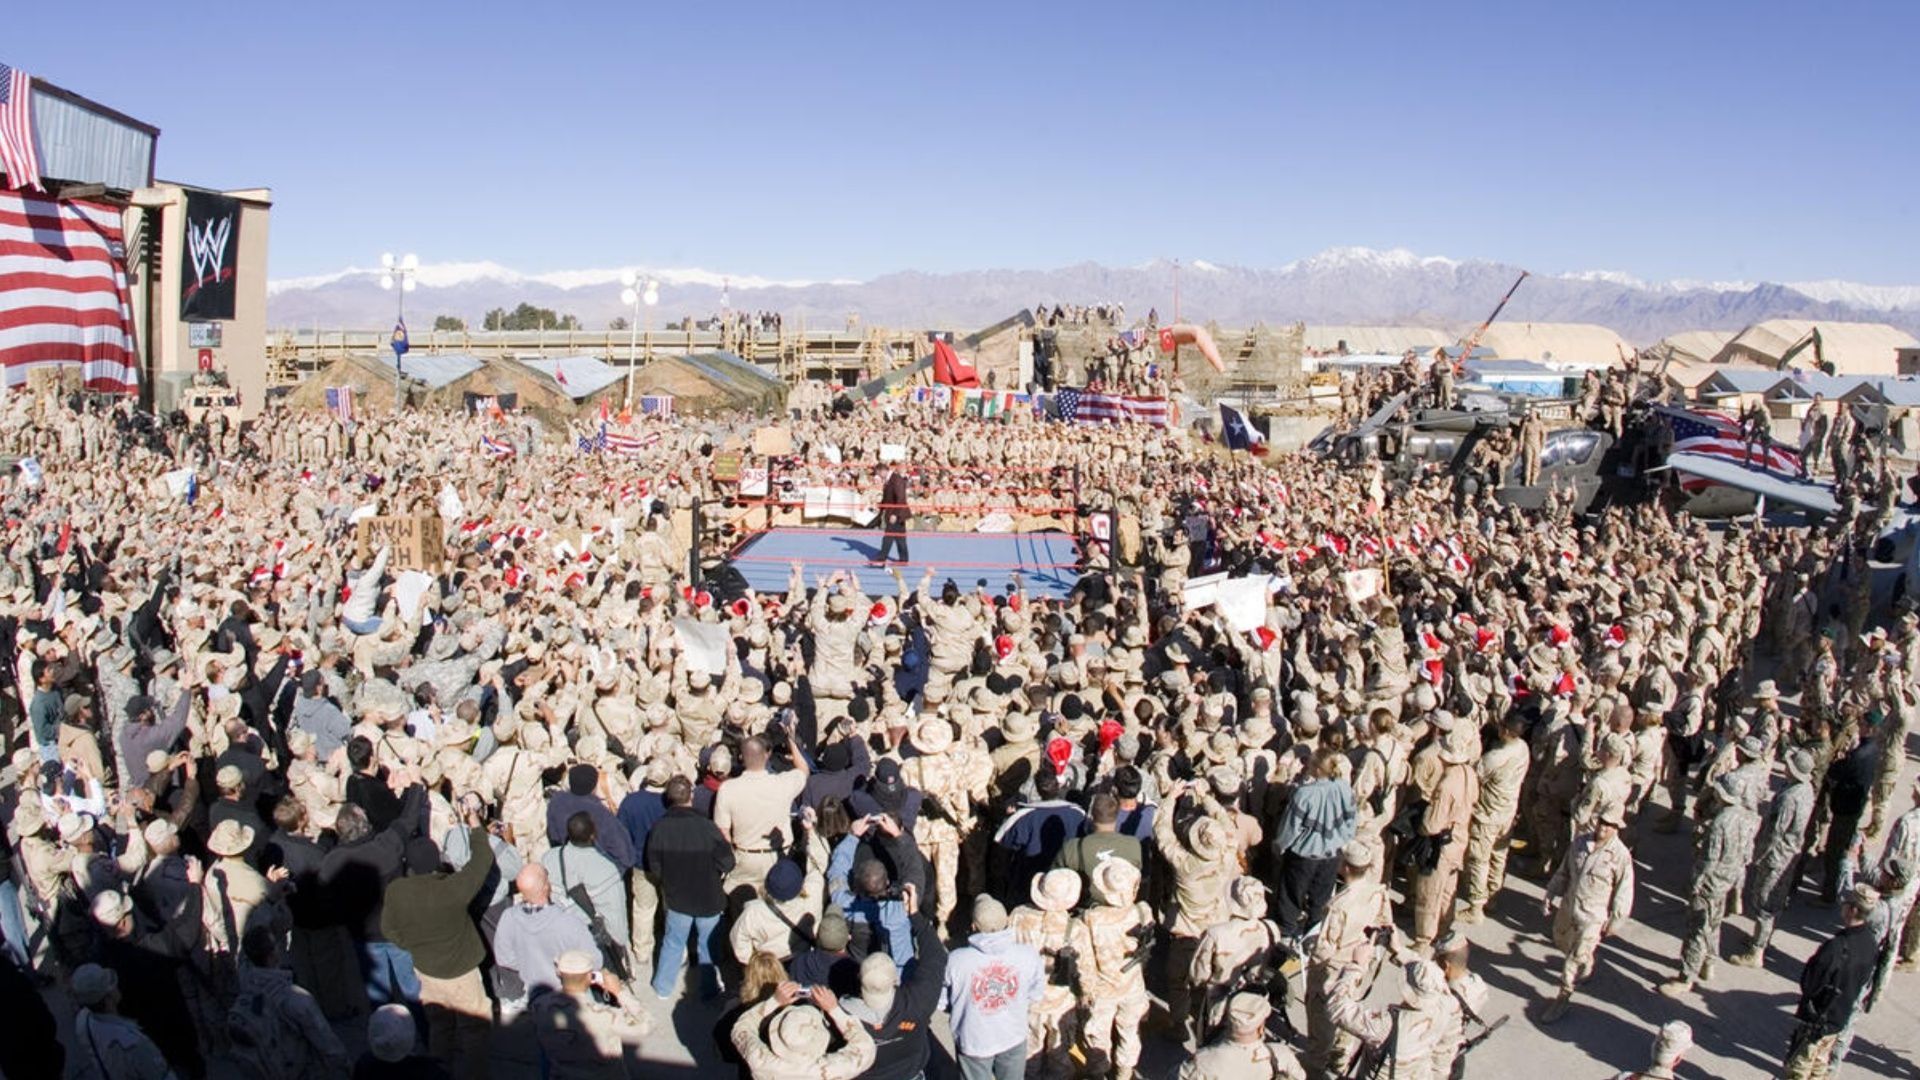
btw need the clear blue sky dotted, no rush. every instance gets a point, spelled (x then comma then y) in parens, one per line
(1757, 140)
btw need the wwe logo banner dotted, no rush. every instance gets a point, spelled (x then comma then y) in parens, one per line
(207, 280)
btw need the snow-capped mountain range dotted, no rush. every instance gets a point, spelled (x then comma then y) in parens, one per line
(1341, 285)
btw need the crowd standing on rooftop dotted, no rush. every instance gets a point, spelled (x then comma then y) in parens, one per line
(266, 784)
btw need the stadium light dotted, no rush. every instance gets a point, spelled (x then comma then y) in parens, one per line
(400, 272)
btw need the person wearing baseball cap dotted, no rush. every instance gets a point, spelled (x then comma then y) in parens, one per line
(1243, 1049)
(102, 1035)
(1831, 985)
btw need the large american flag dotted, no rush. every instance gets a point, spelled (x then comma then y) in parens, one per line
(63, 273)
(1719, 436)
(1092, 407)
(17, 155)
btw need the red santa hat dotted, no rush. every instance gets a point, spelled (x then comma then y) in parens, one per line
(1110, 730)
(1432, 642)
(1616, 636)
(1014, 601)
(1003, 646)
(1060, 752)
(575, 580)
(1436, 670)
(514, 576)
(879, 615)
(1460, 564)
(740, 607)
(703, 599)
(1558, 635)
(1265, 636)
(1563, 686)
(1483, 637)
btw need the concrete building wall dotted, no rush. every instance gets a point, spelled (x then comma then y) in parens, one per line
(167, 340)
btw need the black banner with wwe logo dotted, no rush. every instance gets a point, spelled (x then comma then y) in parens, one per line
(213, 251)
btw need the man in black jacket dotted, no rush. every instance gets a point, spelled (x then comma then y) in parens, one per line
(690, 858)
(1849, 786)
(353, 879)
(897, 1014)
(152, 963)
(1830, 986)
(893, 515)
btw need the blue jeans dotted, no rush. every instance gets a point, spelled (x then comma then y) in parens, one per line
(1008, 1064)
(13, 924)
(388, 970)
(673, 950)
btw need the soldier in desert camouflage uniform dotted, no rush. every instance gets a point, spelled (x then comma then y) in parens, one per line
(952, 780)
(1108, 942)
(1242, 1051)
(1342, 957)
(1047, 924)
(1203, 864)
(1239, 954)
(1590, 895)
(1503, 770)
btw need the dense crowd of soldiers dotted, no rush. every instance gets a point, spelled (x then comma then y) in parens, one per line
(268, 783)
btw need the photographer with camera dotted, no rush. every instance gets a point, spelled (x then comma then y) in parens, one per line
(585, 1026)
(868, 894)
(789, 1036)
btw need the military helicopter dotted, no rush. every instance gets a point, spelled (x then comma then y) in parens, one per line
(1411, 440)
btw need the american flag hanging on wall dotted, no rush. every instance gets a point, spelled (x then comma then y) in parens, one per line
(63, 272)
(1093, 407)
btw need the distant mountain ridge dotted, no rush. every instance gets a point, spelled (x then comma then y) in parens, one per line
(1341, 285)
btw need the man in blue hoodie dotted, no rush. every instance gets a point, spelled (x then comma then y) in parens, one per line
(991, 983)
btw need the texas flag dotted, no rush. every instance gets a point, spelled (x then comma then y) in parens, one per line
(1238, 433)
(950, 370)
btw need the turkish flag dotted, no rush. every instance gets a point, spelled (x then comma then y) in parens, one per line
(950, 370)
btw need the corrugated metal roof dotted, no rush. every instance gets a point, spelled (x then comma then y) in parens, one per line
(1802, 383)
(87, 146)
(435, 370)
(1853, 348)
(732, 366)
(585, 375)
(1511, 367)
(1902, 392)
(1741, 381)
(1575, 344)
